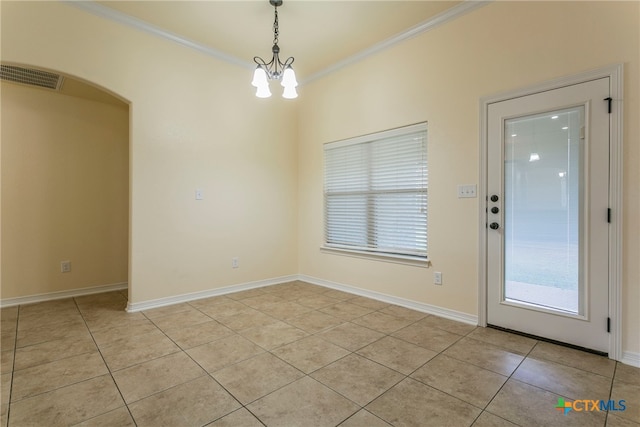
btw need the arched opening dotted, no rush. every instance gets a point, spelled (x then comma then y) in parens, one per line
(65, 187)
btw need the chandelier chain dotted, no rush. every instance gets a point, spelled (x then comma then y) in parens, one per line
(276, 32)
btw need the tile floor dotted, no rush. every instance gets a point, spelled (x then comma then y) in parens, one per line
(293, 354)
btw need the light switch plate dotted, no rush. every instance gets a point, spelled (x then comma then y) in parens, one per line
(437, 278)
(467, 191)
(65, 266)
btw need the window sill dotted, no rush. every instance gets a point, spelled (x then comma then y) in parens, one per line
(397, 259)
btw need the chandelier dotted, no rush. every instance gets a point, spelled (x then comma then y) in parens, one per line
(275, 69)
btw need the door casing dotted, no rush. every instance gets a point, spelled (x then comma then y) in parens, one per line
(615, 74)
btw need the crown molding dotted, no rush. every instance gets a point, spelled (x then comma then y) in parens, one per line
(122, 18)
(449, 15)
(139, 24)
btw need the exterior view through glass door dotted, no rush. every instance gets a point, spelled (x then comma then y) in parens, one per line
(542, 209)
(548, 160)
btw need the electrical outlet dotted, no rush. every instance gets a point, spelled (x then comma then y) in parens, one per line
(65, 266)
(199, 195)
(437, 278)
(235, 262)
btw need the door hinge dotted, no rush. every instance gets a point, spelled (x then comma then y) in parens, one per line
(609, 99)
(608, 324)
(609, 215)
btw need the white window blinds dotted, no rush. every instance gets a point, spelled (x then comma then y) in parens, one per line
(375, 192)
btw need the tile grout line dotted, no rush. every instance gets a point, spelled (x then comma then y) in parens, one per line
(441, 353)
(318, 334)
(405, 376)
(235, 332)
(181, 350)
(13, 365)
(106, 365)
(206, 373)
(44, 363)
(111, 372)
(13, 370)
(270, 351)
(613, 378)
(503, 384)
(538, 342)
(529, 355)
(354, 352)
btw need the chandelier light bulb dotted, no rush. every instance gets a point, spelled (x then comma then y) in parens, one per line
(263, 91)
(259, 77)
(289, 78)
(289, 92)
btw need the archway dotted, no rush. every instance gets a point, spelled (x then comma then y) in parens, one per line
(65, 186)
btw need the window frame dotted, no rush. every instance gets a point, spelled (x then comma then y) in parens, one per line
(374, 253)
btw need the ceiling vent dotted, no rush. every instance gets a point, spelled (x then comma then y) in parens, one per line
(31, 77)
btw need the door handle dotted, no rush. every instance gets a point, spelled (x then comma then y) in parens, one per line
(494, 226)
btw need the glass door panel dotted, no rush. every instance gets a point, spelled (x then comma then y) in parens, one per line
(543, 205)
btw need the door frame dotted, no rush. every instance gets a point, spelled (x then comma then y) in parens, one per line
(615, 75)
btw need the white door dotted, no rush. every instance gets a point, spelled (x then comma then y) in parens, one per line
(547, 214)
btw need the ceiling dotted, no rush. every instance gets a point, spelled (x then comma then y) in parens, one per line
(317, 33)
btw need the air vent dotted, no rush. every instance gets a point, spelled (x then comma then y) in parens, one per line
(31, 77)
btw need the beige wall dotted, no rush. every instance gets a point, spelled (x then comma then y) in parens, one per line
(440, 77)
(65, 191)
(194, 124)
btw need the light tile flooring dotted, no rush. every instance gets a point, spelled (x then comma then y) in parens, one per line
(293, 354)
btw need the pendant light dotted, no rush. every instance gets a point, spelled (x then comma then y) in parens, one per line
(275, 69)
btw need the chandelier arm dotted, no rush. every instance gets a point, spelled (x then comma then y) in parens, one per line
(273, 68)
(288, 62)
(263, 63)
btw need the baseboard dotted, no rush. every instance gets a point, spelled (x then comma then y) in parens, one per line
(631, 358)
(628, 357)
(414, 305)
(161, 302)
(425, 308)
(8, 302)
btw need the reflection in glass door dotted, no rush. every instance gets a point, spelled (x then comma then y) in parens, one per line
(543, 209)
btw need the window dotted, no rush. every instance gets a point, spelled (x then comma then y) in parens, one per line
(375, 193)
